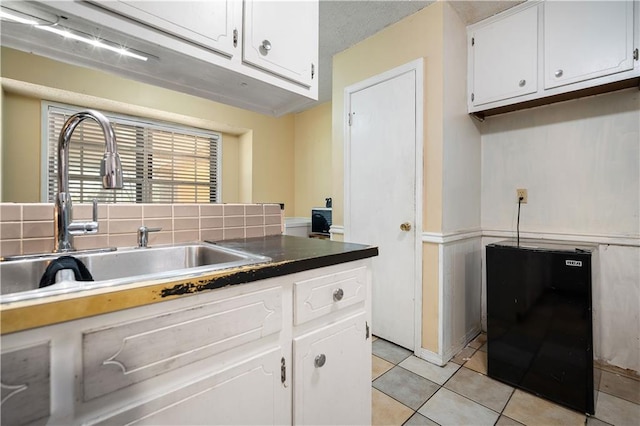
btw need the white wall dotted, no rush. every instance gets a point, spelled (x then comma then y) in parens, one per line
(580, 161)
(461, 145)
(461, 270)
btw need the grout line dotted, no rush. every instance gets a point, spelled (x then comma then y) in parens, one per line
(617, 396)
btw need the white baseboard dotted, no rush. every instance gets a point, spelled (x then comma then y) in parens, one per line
(471, 334)
(429, 356)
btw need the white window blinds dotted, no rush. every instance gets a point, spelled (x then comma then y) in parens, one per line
(161, 163)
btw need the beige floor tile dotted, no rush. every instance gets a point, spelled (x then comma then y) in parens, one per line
(478, 362)
(620, 386)
(616, 411)
(379, 366)
(506, 421)
(464, 355)
(430, 371)
(449, 408)
(480, 388)
(531, 410)
(387, 411)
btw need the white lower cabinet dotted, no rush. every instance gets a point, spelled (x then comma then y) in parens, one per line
(331, 375)
(229, 356)
(249, 393)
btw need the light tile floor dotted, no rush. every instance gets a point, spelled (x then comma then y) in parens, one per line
(410, 391)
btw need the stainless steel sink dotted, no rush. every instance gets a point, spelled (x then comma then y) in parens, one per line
(19, 279)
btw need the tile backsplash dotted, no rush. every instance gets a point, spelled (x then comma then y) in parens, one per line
(28, 228)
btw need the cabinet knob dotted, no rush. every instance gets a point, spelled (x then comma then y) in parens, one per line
(338, 295)
(405, 226)
(266, 46)
(522, 83)
(558, 73)
(320, 360)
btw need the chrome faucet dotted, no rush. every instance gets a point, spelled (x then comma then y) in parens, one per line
(110, 170)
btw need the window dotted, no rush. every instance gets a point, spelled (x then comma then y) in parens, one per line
(161, 162)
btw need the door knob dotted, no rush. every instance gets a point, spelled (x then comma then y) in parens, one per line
(405, 226)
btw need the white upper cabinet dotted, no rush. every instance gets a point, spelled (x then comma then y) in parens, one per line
(282, 37)
(545, 51)
(257, 55)
(515, 37)
(587, 39)
(218, 20)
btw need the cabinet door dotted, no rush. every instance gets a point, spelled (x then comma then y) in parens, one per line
(586, 39)
(26, 385)
(504, 57)
(282, 37)
(248, 393)
(332, 374)
(210, 24)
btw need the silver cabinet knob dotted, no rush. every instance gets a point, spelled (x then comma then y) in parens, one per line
(266, 45)
(338, 295)
(320, 360)
(522, 83)
(558, 73)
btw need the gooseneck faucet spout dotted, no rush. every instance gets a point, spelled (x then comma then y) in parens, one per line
(110, 170)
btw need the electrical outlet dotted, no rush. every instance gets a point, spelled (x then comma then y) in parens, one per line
(521, 194)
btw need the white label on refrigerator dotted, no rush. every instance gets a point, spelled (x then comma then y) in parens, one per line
(573, 263)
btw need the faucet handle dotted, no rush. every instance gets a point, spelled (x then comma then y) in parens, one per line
(80, 228)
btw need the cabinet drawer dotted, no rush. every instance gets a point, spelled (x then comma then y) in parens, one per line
(320, 296)
(120, 355)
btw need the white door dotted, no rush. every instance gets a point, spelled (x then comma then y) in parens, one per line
(214, 30)
(505, 57)
(332, 375)
(380, 196)
(585, 40)
(282, 37)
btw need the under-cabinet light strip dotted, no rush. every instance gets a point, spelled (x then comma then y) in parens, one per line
(102, 44)
(94, 42)
(15, 18)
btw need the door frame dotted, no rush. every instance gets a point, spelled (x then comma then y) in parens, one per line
(417, 67)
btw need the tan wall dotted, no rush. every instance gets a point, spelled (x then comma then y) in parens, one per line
(21, 168)
(230, 168)
(312, 159)
(271, 178)
(418, 36)
(1, 130)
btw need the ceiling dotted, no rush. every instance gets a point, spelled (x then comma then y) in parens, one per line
(344, 23)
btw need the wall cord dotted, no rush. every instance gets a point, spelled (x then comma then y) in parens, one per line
(518, 223)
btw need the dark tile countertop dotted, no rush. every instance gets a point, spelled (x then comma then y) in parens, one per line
(288, 255)
(295, 254)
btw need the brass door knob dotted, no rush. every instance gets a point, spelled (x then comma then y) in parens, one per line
(405, 226)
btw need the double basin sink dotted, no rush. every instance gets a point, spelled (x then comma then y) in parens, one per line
(20, 276)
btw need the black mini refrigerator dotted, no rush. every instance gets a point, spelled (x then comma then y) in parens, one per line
(539, 322)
